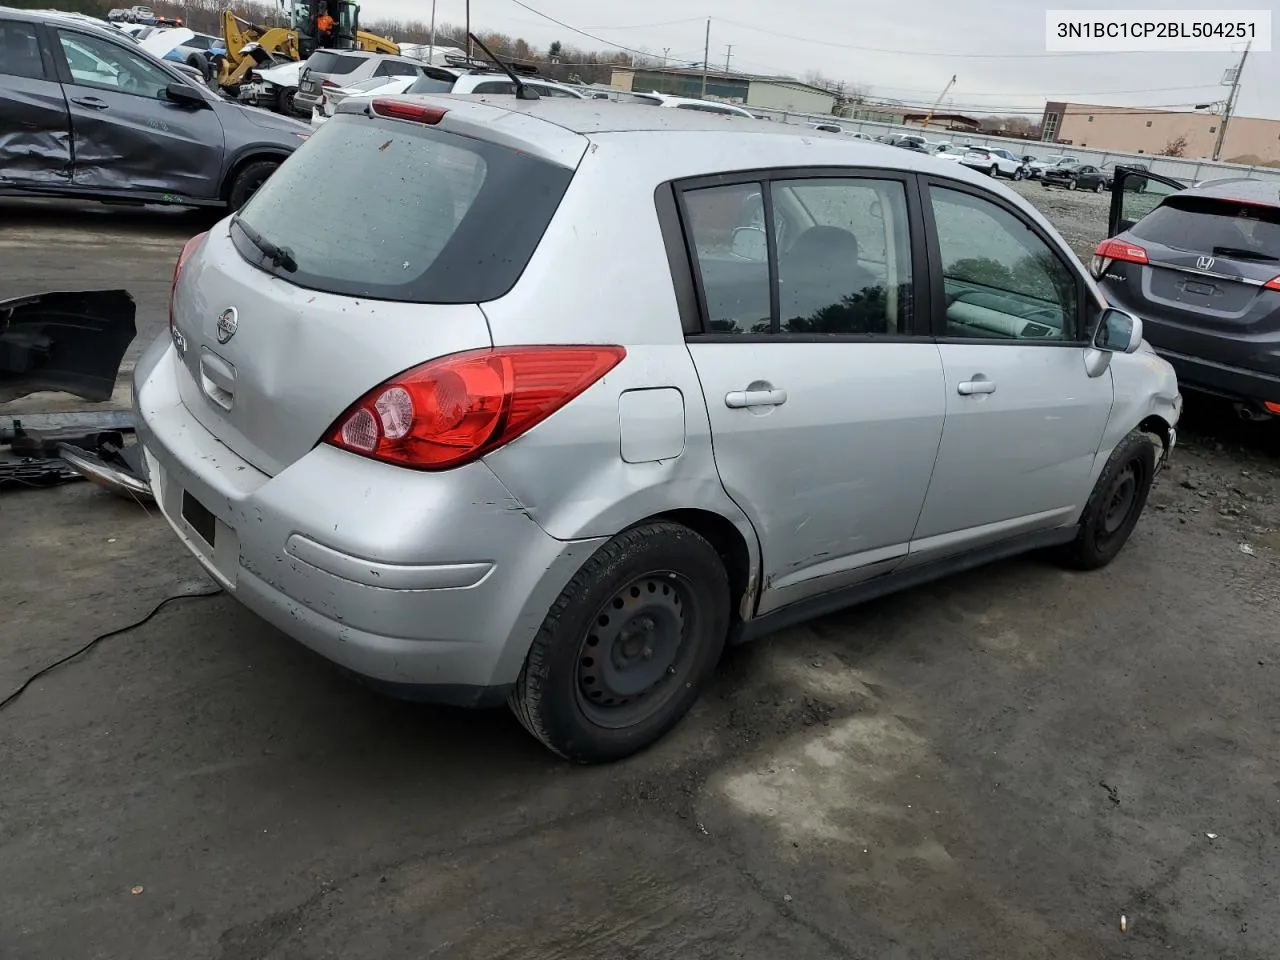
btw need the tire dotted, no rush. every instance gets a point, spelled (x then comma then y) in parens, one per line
(1071, 185)
(284, 100)
(248, 180)
(1097, 187)
(1019, 174)
(995, 172)
(1116, 503)
(598, 686)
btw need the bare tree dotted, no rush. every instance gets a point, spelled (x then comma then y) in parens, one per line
(1176, 147)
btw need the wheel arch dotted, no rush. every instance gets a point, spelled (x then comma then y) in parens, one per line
(242, 160)
(723, 534)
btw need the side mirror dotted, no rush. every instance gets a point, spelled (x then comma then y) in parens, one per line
(1118, 332)
(749, 243)
(182, 94)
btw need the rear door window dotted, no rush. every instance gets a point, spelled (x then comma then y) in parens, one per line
(1213, 226)
(20, 50)
(326, 61)
(394, 68)
(423, 216)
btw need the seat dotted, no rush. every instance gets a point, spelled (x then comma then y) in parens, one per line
(817, 274)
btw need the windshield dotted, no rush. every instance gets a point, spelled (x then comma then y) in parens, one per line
(423, 216)
(1201, 224)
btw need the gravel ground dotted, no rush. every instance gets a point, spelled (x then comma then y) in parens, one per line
(998, 766)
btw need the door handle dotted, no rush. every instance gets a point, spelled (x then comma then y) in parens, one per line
(93, 103)
(979, 384)
(737, 399)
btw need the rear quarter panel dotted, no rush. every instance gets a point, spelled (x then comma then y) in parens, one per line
(601, 275)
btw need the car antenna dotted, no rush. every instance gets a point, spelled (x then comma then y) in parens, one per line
(522, 92)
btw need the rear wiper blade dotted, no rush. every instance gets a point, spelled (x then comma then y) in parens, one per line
(278, 256)
(1243, 253)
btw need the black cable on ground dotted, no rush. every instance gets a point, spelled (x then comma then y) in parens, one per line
(104, 636)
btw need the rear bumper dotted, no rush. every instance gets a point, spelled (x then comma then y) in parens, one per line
(1235, 383)
(431, 585)
(304, 102)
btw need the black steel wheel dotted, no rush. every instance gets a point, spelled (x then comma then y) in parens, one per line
(635, 655)
(1116, 503)
(627, 646)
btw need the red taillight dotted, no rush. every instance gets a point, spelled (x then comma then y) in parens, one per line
(328, 83)
(449, 411)
(1111, 250)
(188, 248)
(1272, 284)
(1272, 406)
(408, 110)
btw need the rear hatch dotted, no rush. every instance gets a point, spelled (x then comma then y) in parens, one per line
(327, 65)
(365, 254)
(1203, 290)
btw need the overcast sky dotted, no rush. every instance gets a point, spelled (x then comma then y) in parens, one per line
(827, 30)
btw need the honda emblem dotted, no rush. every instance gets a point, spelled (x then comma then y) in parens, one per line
(1204, 263)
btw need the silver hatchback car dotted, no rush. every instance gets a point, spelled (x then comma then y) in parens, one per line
(551, 400)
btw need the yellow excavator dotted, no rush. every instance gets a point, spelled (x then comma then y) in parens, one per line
(250, 45)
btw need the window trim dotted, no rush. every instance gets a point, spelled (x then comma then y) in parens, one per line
(687, 274)
(938, 318)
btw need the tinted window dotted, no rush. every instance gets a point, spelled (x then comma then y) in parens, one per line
(1001, 280)
(430, 85)
(494, 86)
(20, 50)
(550, 91)
(394, 68)
(326, 61)
(844, 256)
(199, 42)
(423, 216)
(726, 227)
(1199, 224)
(99, 63)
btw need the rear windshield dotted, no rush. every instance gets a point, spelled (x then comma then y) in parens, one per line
(326, 61)
(1199, 224)
(430, 85)
(393, 210)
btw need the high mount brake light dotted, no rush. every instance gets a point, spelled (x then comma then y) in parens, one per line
(188, 249)
(455, 409)
(408, 110)
(1110, 251)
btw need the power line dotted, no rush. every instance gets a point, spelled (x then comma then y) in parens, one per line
(923, 53)
(590, 36)
(644, 26)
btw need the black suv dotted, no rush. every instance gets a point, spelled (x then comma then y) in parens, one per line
(1201, 267)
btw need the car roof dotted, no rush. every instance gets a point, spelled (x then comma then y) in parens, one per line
(80, 20)
(1266, 192)
(735, 135)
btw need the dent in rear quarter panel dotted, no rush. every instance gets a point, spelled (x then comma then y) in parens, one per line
(601, 275)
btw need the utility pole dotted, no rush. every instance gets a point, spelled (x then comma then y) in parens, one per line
(706, 53)
(1231, 100)
(941, 96)
(665, 52)
(468, 29)
(728, 52)
(431, 44)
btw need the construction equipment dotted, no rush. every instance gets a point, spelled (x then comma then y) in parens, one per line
(251, 45)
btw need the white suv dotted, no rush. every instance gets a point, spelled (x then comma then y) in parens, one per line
(995, 161)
